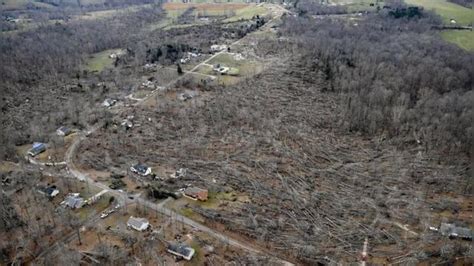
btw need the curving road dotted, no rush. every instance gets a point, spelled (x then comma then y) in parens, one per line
(73, 171)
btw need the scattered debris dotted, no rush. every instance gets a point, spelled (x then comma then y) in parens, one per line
(238, 56)
(148, 85)
(454, 231)
(109, 102)
(127, 124)
(196, 193)
(104, 214)
(180, 173)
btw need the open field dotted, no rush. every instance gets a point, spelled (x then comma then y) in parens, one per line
(100, 61)
(447, 10)
(21, 4)
(357, 5)
(463, 38)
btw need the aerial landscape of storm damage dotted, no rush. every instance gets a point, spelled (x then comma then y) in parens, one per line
(236, 132)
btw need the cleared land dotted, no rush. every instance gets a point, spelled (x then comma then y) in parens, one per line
(447, 10)
(100, 61)
(463, 38)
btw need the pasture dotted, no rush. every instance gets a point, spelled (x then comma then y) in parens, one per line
(447, 10)
(463, 38)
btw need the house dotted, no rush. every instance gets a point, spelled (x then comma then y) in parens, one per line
(148, 84)
(50, 191)
(218, 48)
(37, 148)
(73, 201)
(221, 69)
(141, 169)
(139, 224)
(63, 131)
(454, 231)
(117, 54)
(181, 250)
(196, 193)
(109, 102)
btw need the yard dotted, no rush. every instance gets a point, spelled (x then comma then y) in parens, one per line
(100, 61)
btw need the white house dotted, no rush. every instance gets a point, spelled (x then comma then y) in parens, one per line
(139, 224)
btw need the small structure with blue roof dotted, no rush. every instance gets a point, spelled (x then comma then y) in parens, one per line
(37, 148)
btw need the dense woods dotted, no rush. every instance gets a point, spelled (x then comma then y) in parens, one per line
(397, 77)
(43, 68)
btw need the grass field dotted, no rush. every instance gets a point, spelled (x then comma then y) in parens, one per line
(447, 10)
(100, 61)
(463, 38)
(357, 5)
(22, 4)
(234, 11)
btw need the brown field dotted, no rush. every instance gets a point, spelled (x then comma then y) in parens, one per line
(203, 6)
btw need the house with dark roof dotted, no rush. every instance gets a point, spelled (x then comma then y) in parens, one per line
(139, 224)
(141, 169)
(181, 250)
(37, 148)
(196, 193)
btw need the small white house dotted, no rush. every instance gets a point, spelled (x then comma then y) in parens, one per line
(139, 224)
(218, 48)
(63, 131)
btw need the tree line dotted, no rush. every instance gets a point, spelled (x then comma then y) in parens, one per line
(397, 77)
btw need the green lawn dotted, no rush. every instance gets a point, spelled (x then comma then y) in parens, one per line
(463, 38)
(247, 13)
(357, 5)
(447, 10)
(100, 61)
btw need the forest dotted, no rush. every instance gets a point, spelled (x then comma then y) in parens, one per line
(396, 76)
